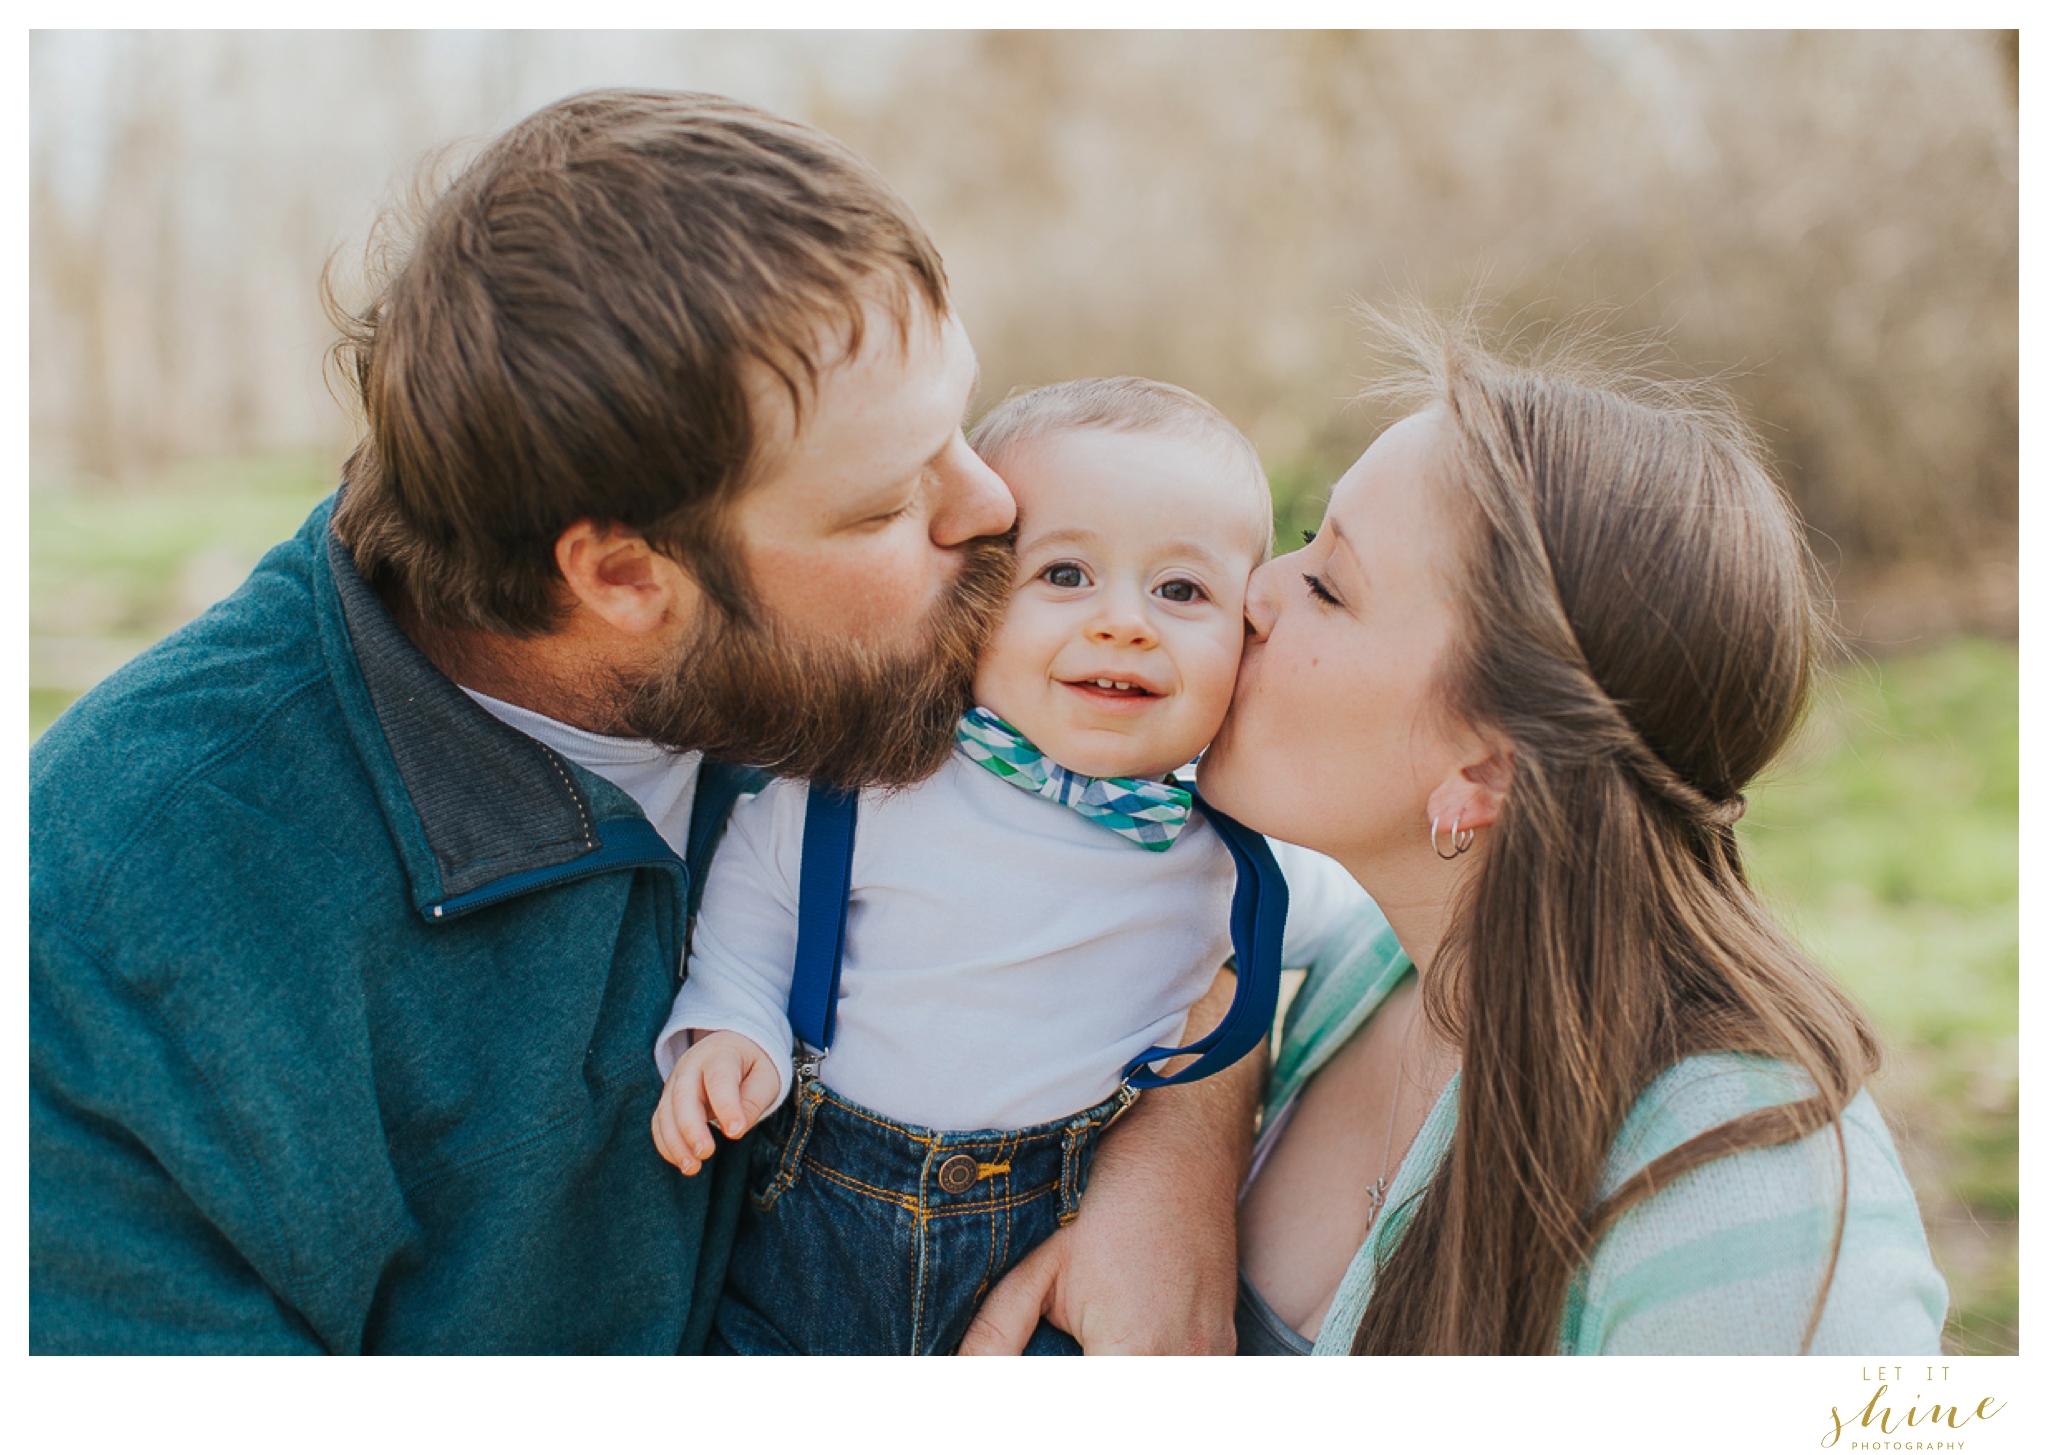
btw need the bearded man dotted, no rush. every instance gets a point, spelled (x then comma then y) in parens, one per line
(357, 904)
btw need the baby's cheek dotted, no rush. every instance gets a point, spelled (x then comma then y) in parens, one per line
(1006, 662)
(1212, 679)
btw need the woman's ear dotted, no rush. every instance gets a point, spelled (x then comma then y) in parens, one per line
(615, 576)
(1471, 794)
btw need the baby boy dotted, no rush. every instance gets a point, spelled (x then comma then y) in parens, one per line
(1016, 932)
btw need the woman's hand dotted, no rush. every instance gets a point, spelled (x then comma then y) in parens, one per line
(1150, 1265)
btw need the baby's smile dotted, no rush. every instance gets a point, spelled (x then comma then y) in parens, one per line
(1114, 694)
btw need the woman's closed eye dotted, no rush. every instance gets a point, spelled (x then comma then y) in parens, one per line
(1318, 590)
(1066, 574)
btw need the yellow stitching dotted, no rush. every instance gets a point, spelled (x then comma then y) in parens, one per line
(923, 1266)
(878, 1193)
(850, 1108)
(989, 1169)
(574, 796)
(912, 1205)
(1000, 1204)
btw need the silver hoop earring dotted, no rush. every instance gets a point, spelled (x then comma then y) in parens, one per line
(1461, 839)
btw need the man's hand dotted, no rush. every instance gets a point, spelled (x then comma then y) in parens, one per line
(1150, 1265)
(723, 1080)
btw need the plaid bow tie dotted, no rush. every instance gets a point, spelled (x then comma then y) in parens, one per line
(1146, 811)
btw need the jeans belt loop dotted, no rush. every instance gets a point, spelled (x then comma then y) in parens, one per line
(808, 1092)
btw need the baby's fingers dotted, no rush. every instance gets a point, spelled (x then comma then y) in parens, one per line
(757, 1090)
(722, 1091)
(679, 1128)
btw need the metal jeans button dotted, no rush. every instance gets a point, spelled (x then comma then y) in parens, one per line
(957, 1173)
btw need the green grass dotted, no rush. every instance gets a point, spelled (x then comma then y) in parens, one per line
(1301, 490)
(1888, 841)
(112, 571)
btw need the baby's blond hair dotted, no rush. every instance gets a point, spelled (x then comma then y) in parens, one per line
(1127, 404)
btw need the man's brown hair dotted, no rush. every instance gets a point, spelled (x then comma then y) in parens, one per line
(568, 336)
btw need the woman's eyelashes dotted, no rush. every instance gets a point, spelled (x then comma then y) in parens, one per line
(1317, 587)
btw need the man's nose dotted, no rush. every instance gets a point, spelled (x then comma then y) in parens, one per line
(973, 500)
(1262, 597)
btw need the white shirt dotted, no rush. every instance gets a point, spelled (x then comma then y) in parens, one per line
(662, 781)
(1005, 957)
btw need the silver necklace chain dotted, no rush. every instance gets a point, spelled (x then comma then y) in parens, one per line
(1376, 1194)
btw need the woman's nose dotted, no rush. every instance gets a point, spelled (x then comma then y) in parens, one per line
(1262, 597)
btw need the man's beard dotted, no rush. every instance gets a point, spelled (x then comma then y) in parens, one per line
(749, 691)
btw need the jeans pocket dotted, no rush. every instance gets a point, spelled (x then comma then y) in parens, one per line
(1077, 1149)
(778, 1154)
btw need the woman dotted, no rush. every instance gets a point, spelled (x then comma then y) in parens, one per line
(1579, 1094)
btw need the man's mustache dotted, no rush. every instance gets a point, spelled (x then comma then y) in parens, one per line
(752, 690)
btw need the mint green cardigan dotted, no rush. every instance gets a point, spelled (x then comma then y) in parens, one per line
(1726, 1260)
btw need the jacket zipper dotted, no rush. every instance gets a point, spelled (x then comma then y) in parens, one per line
(627, 844)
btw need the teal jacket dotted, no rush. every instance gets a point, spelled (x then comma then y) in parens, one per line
(342, 996)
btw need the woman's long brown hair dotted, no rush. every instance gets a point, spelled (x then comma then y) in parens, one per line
(1639, 621)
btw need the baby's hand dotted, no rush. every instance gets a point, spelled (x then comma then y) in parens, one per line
(724, 1077)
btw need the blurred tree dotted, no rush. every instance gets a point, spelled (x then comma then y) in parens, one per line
(1831, 218)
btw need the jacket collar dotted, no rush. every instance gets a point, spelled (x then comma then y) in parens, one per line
(470, 800)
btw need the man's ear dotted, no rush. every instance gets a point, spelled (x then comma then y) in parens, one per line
(1471, 794)
(615, 576)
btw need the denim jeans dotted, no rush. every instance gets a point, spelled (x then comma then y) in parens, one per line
(866, 1236)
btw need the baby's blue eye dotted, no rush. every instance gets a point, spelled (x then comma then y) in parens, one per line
(1181, 591)
(1063, 573)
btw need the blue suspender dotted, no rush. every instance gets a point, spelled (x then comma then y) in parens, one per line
(1258, 926)
(823, 882)
(1258, 922)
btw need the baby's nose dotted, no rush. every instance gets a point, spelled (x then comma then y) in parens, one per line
(1120, 619)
